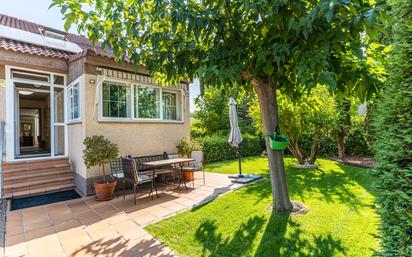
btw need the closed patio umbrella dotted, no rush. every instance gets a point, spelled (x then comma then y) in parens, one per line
(235, 137)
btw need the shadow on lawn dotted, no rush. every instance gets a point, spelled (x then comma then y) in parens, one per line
(275, 240)
(330, 186)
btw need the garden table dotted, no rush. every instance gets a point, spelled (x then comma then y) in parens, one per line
(179, 162)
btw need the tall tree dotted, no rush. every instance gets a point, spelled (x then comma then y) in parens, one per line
(272, 45)
(394, 139)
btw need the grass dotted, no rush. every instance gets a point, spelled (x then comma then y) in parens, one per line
(341, 221)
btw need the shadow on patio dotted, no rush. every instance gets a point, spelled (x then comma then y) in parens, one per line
(84, 227)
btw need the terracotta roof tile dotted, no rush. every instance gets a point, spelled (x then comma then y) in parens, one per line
(32, 27)
(26, 48)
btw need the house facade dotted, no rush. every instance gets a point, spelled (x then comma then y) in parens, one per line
(56, 89)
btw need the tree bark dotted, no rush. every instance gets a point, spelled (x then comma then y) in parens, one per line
(314, 150)
(345, 123)
(294, 148)
(266, 93)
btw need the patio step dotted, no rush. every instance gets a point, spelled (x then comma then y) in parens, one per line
(36, 177)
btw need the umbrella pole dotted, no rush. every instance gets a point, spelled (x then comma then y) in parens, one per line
(240, 161)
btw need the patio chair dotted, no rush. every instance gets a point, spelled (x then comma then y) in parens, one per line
(132, 176)
(196, 165)
(117, 173)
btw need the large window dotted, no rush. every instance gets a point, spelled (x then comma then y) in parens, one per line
(139, 102)
(74, 102)
(116, 100)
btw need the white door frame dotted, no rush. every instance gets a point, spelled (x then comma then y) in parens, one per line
(11, 119)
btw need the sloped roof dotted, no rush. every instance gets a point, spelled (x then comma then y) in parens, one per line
(35, 28)
(26, 48)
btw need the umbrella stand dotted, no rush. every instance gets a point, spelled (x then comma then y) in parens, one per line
(240, 161)
(239, 157)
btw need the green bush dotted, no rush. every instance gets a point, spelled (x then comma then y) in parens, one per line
(196, 129)
(356, 144)
(394, 140)
(186, 146)
(216, 148)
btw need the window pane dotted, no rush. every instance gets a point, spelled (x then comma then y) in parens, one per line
(172, 105)
(59, 80)
(169, 106)
(74, 102)
(58, 105)
(115, 100)
(36, 76)
(147, 102)
(58, 140)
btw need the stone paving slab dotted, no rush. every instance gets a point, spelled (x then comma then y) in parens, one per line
(85, 227)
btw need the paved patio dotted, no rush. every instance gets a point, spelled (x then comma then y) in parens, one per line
(85, 227)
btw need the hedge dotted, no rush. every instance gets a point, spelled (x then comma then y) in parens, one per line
(393, 123)
(216, 148)
(355, 145)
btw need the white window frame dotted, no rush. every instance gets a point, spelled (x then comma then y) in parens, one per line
(131, 85)
(177, 103)
(119, 83)
(78, 82)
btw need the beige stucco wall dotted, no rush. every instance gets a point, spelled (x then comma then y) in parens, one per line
(76, 134)
(135, 138)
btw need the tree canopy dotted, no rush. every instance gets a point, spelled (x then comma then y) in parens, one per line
(291, 41)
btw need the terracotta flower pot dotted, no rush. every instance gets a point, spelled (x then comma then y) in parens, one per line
(104, 191)
(188, 175)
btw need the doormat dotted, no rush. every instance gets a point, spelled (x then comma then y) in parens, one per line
(37, 200)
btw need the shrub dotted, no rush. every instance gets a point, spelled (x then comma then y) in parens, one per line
(216, 148)
(196, 129)
(356, 144)
(394, 140)
(186, 146)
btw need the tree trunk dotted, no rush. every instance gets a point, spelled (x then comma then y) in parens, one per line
(294, 148)
(344, 124)
(314, 150)
(266, 93)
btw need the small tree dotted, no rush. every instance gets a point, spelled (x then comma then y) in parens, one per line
(99, 151)
(311, 115)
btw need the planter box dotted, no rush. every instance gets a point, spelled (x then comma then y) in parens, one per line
(278, 142)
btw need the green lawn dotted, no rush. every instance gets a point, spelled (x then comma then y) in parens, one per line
(341, 221)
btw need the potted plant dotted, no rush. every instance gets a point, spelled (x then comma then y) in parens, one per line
(98, 151)
(184, 149)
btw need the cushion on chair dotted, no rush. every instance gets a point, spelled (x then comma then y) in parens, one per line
(144, 178)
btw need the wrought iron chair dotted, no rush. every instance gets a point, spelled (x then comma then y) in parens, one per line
(196, 165)
(117, 173)
(132, 176)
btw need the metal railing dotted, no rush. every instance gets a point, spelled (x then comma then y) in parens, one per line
(2, 123)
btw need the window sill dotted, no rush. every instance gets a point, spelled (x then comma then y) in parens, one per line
(108, 120)
(72, 122)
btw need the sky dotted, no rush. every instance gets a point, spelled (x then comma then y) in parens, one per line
(38, 11)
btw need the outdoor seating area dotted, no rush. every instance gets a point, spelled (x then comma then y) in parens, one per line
(85, 227)
(133, 172)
